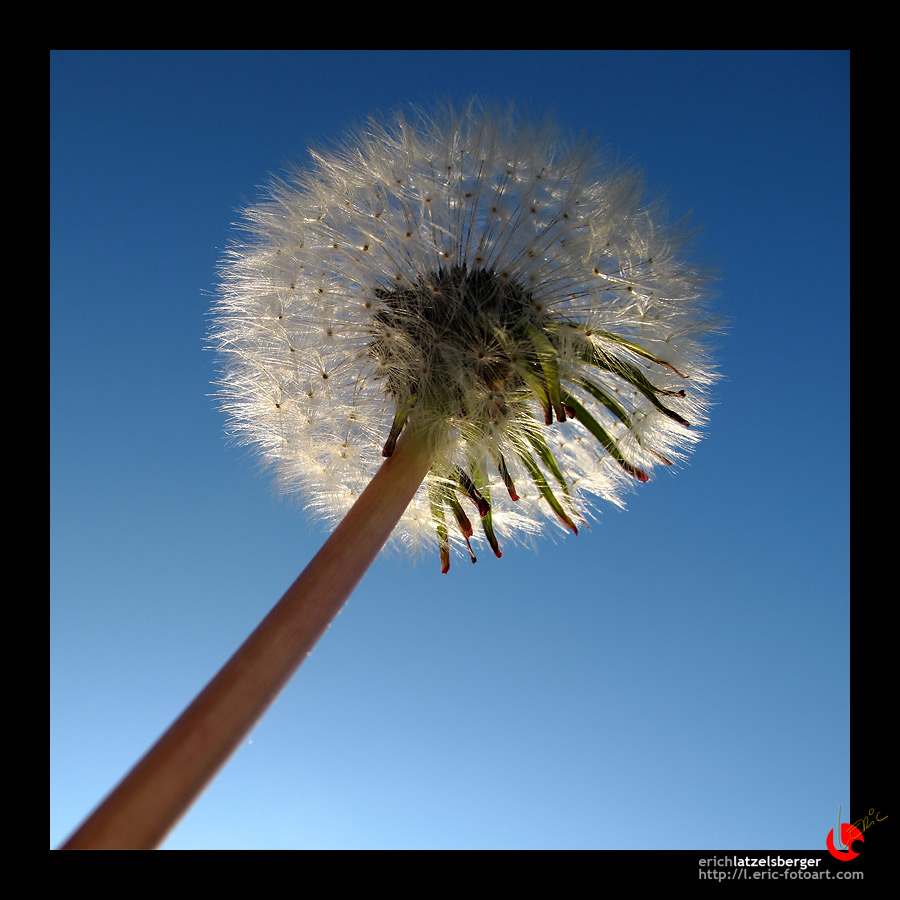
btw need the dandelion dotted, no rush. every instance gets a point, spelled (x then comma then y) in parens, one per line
(455, 330)
(467, 276)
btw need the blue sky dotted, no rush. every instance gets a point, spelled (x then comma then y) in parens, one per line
(655, 683)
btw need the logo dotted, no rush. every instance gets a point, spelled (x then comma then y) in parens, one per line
(848, 834)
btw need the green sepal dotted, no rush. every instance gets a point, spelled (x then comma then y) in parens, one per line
(400, 419)
(462, 520)
(635, 377)
(549, 360)
(597, 430)
(487, 520)
(603, 397)
(539, 389)
(547, 458)
(472, 492)
(435, 496)
(638, 350)
(487, 526)
(465, 525)
(599, 394)
(541, 484)
(507, 478)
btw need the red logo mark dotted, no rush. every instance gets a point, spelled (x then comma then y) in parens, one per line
(849, 834)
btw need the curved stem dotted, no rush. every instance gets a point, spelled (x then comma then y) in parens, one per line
(151, 799)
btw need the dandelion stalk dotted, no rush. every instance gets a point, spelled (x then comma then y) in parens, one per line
(151, 799)
(449, 315)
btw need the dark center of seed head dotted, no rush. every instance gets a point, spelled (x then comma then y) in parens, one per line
(454, 318)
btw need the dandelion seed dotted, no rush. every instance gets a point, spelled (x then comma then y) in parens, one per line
(509, 292)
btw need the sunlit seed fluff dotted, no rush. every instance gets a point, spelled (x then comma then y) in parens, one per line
(468, 272)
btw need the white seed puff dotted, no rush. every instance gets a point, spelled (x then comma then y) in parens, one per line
(469, 272)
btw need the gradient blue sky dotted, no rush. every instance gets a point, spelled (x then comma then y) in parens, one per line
(677, 677)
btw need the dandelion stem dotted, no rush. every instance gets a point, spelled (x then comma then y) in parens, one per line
(151, 799)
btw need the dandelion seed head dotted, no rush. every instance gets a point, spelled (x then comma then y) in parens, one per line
(471, 272)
